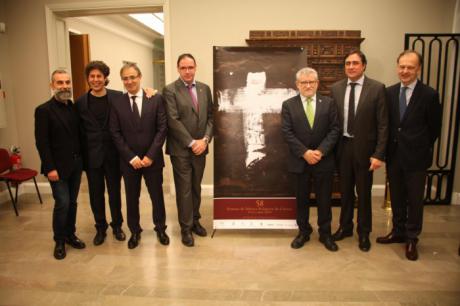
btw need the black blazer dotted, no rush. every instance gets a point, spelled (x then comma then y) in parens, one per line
(144, 140)
(371, 119)
(97, 142)
(414, 136)
(300, 137)
(55, 139)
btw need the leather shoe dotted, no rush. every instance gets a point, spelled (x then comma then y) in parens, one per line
(299, 241)
(390, 238)
(329, 243)
(341, 234)
(198, 229)
(163, 238)
(134, 240)
(59, 250)
(119, 234)
(100, 237)
(364, 243)
(411, 250)
(75, 242)
(187, 239)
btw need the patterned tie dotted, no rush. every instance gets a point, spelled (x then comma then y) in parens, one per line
(192, 95)
(309, 111)
(136, 109)
(402, 102)
(351, 109)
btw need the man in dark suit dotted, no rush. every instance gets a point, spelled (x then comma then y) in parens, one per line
(415, 123)
(311, 130)
(189, 107)
(100, 155)
(363, 115)
(57, 137)
(138, 126)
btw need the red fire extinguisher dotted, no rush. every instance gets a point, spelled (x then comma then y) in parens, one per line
(15, 160)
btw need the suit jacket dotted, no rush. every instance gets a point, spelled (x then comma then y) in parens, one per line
(55, 139)
(414, 136)
(370, 127)
(184, 122)
(143, 139)
(97, 142)
(300, 137)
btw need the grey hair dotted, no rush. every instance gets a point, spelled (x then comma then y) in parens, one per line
(306, 71)
(58, 71)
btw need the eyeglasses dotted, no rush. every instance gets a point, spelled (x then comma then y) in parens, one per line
(131, 77)
(189, 68)
(308, 83)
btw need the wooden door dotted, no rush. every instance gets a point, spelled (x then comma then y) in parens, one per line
(79, 58)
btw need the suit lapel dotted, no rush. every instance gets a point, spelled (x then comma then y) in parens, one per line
(341, 97)
(413, 100)
(129, 111)
(201, 98)
(318, 110)
(145, 108)
(186, 96)
(299, 109)
(363, 96)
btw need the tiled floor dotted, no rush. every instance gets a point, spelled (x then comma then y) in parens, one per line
(236, 267)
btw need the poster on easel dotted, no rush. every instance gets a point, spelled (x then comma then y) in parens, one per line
(252, 187)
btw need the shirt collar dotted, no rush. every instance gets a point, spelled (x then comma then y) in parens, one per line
(139, 94)
(304, 99)
(360, 81)
(186, 84)
(411, 86)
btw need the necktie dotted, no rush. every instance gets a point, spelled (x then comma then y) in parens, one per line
(351, 109)
(402, 102)
(192, 95)
(135, 109)
(309, 111)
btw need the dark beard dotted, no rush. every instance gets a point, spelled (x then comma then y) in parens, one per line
(63, 95)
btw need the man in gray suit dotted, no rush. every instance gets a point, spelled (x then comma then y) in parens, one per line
(311, 129)
(189, 108)
(363, 115)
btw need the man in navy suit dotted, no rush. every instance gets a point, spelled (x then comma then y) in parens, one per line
(311, 129)
(138, 126)
(57, 137)
(415, 124)
(99, 152)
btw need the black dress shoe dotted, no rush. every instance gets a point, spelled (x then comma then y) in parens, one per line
(198, 229)
(163, 238)
(100, 237)
(341, 234)
(187, 239)
(119, 234)
(59, 250)
(134, 240)
(75, 242)
(390, 238)
(329, 243)
(299, 241)
(364, 243)
(411, 250)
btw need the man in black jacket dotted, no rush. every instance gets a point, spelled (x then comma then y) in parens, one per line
(415, 124)
(100, 154)
(57, 136)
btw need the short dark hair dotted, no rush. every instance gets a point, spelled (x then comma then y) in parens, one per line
(127, 65)
(405, 52)
(98, 65)
(184, 55)
(358, 53)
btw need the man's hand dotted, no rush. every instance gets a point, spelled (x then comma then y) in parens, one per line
(146, 162)
(150, 92)
(136, 163)
(199, 146)
(312, 156)
(53, 176)
(375, 164)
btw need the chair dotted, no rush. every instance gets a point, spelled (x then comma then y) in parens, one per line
(15, 177)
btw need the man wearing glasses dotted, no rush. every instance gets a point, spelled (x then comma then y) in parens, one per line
(138, 127)
(311, 129)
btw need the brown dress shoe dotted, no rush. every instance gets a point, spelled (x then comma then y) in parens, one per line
(390, 238)
(411, 250)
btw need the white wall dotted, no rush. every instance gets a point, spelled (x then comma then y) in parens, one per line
(113, 44)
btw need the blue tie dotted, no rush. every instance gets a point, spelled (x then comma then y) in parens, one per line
(402, 102)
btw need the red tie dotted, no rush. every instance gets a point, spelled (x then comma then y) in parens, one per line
(192, 94)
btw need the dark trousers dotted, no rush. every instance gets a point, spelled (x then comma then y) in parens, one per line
(406, 193)
(154, 182)
(188, 173)
(65, 193)
(355, 173)
(110, 172)
(322, 181)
